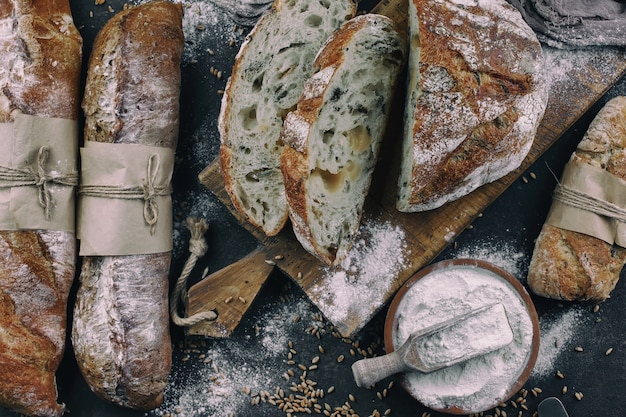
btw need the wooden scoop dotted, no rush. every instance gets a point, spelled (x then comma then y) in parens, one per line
(480, 331)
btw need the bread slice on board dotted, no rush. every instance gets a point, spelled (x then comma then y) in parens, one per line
(265, 84)
(475, 99)
(570, 265)
(335, 135)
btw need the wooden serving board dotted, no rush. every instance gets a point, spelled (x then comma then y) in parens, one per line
(426, 234)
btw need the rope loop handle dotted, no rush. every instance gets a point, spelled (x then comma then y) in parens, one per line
(198, 247)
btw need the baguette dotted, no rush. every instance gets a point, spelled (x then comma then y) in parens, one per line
(574, 266)
(120, 329)
(40, 76)
(335, 134)
(265, 84)
(476, 95)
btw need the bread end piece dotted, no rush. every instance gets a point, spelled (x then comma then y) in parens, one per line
(476, 95)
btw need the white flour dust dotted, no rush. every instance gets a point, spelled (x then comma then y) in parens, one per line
(216, 378)
(364, 278)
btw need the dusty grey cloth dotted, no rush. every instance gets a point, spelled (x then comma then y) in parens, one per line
(576, 23)
(245, 12)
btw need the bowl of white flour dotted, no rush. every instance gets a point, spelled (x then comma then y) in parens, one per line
(446, 290)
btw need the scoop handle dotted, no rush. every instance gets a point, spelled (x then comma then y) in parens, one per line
(371, 370)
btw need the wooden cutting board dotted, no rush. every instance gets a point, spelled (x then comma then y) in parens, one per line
(344, 301)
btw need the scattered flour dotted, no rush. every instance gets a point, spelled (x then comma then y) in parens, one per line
(499, 253)
(215, 378)
(557, 333)
(366, 276)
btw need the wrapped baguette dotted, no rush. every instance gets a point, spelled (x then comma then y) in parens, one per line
(121, 325)
(39, 88)
(580, 251)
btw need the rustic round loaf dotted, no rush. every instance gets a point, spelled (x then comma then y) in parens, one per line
(476, 95)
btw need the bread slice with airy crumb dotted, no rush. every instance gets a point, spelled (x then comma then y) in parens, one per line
(332, 140)
(266, 82)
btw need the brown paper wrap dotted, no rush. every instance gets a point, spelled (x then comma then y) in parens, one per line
(38, 173)
(124, 202)
(591, 201)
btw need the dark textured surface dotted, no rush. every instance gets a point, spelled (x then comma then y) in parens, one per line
(512, 222)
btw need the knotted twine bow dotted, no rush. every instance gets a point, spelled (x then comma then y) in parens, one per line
(198, 248)
(147, 191)
(38, 177)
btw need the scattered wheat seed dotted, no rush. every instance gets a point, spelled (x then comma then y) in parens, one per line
(279, 257)
(596, 308)
(578, 349)
(351, 397)
(578, 395)
(525, 180)
(270, 262)
(331, 389)
(340, 358)
(241, 299)
(608, 351)
(387, 412)
(564, 390)
(560, 374)
(200, 26)
(533, 175)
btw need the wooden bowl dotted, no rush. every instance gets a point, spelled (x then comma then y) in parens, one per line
(500, 276)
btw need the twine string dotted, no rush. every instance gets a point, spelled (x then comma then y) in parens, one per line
(578, 199)
(38, 177)
(148, 191)
(197, 248)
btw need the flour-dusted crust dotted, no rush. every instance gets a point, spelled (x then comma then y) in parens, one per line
(41, 52)
(568, 265)
(120, 330)
(476, 95)
(334, 136)
(266, 82)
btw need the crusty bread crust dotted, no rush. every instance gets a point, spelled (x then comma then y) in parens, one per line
(476, 97)
(121, 324)
(568, 265)
(331, 148)
(266, 81)
(40, 76)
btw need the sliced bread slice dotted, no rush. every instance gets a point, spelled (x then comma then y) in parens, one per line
(334, 137)
(266, 82)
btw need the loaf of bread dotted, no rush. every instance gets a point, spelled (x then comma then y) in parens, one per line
(39, 76)
(570, 265)
(120, 328)
(334, 136)
(476, 95)
(265, 84)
